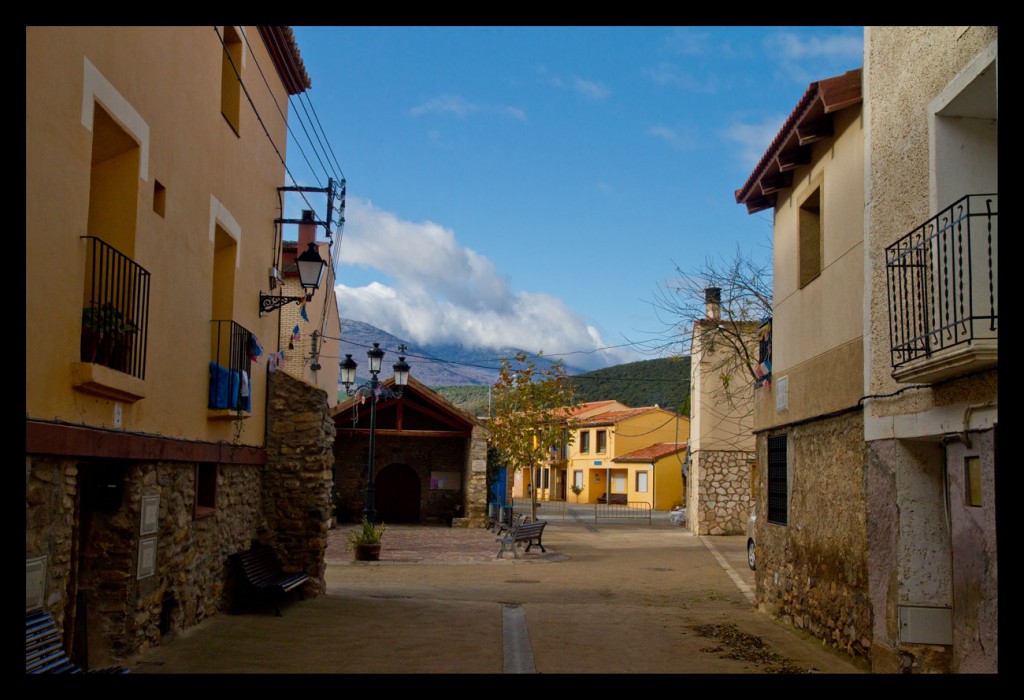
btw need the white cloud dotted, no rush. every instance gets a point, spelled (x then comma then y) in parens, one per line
(445, 293)
(462, 108)
(843, 47)
(670, 74)
(591, 89)
(678, 139)
(688, 41)
(754, 139)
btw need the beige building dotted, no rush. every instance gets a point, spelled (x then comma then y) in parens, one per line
(885, 192)
(810, 501)
(930, 337)
(153, 176)
(720, 466)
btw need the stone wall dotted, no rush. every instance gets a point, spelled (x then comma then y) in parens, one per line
(297, 485)
(718, 492)
(93, 580)
(92, 547)
(812, 573)
(424, 455)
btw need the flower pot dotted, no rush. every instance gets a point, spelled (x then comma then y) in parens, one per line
(366, 552)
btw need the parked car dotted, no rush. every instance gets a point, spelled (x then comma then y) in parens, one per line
(751, 544)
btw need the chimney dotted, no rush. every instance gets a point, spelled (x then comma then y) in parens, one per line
(307, 231)
(713, 303)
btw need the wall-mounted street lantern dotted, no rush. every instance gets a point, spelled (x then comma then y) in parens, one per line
(373, 391)
(311, 271)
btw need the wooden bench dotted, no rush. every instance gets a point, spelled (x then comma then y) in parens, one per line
(264, 575)
(615, 498)
(44, 648)
(530, 533)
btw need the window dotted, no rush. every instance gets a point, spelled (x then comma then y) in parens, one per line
(641, 482)
(159, 198)
(230, 82)
(206, 489)
(810, 237)
(577, 478)
(778, 480)
(972, 480)
(602, 440)
(584, 441)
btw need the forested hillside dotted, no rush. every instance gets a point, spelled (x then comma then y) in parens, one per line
(665, 382)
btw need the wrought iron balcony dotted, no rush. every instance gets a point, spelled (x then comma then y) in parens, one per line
(943, 292)
(115, 318)
(230, 367)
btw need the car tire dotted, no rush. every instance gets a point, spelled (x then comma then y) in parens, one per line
(751, 555)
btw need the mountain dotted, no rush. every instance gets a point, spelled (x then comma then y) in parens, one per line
(464, 375)
(433, 365)
(665, 382)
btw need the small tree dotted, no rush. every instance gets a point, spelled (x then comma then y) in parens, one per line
(532, 413)
(577, 489)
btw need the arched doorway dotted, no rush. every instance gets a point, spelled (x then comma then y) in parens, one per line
(398, 494)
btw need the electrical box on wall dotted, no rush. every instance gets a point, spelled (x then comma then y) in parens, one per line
(920, 624)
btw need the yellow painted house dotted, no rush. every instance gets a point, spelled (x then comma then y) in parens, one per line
(154, 168)
(619, 451)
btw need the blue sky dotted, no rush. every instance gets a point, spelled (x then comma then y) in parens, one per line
(532, 186)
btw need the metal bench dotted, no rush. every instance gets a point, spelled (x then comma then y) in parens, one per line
(262, 571)
(530, 533)
(44, 648)
(517, 520)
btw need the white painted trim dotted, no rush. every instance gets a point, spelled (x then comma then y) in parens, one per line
(932, 423)
(96, 88)
(219, 214)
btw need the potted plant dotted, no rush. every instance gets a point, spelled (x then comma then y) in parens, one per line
(365, 541)
(106, 336)
(576, 489)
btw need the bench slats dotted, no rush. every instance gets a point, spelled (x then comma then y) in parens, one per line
(44, 648)
(262, 571)
(530, 533)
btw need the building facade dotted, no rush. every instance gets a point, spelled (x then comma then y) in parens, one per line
(930, 339)
(601, 438)
(720, 467)
(153, 168)
(811, 525)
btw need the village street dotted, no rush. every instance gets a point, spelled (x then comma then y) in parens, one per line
(610, 597)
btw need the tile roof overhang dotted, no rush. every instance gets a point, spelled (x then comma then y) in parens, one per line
(810, 121)
(652, 453)
(613, 417)
(284, 51)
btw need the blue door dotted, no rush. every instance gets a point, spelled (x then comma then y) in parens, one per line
(499, 486)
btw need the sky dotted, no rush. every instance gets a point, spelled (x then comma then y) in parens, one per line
(532, 187)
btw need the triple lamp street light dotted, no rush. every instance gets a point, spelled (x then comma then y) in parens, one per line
(374, 392)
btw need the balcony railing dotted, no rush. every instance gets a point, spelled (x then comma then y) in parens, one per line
(230, 367)
(115, 319)
(942, 284)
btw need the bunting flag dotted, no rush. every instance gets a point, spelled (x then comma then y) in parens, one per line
(302, 312)
(295, 337)
(255, 349)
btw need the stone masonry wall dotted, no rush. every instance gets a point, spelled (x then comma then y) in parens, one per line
(92, 576)
(719, 492)
(298, 485)
(812, 572)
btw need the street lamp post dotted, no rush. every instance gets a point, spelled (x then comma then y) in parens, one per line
(374, 391)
